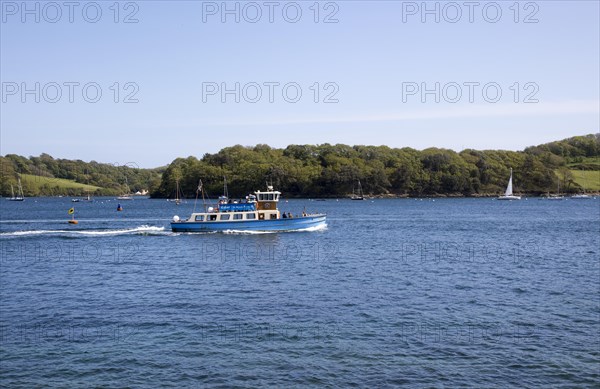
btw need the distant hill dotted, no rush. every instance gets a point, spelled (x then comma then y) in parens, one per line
(333, 170)
(326, 171)
(46, 176)
(40, 184)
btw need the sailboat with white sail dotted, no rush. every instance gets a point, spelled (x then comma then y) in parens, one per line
(508, 194)
(19, 196)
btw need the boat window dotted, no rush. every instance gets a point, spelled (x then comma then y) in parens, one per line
(270, 196)
(273, 216)
(212, 218)
(225, 217)
(237, 216)
(199, 218)
(250, 216)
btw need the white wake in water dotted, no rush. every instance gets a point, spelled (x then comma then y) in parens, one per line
(321, 227)
(125, 231)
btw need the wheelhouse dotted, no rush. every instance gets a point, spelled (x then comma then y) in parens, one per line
(262, 205)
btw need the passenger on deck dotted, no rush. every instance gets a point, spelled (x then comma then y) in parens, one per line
(284, 216)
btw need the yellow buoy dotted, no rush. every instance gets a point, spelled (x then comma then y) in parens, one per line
(72, 213)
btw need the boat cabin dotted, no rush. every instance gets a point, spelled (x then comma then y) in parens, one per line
(259, 206)
(266, 204)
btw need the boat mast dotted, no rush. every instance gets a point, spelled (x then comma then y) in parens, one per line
(197, 192)
(203, 198)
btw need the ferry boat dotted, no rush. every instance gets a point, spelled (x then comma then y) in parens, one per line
(258, 212)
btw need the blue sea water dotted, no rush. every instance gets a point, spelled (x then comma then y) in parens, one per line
(405, 292)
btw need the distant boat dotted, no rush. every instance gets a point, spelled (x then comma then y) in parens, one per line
(582, 196)
(358, 194)
(224, 199)
(19, 196)
(508, 194)
(127, 194)
(557, 196)
(178, 199)
(86, 198)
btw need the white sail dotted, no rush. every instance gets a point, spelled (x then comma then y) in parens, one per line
(508, 195)
(509, 190)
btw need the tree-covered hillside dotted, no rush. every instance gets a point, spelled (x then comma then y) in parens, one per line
(333, 170)
(326, 171)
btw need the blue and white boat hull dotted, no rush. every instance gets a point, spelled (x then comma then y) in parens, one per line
(283, 224)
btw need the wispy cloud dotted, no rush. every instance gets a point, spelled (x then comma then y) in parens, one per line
(573, 107)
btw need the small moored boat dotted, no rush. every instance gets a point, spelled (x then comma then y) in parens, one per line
(19, 196)
(581, 196)
(127, 194)
(358, 195)
(257, 213)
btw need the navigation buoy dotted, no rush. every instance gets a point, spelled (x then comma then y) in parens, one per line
(119, 208)
(72, 213)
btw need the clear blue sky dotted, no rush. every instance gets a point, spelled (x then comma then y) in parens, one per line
(371, 54)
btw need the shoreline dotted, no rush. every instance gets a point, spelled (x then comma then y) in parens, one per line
(367, 197)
